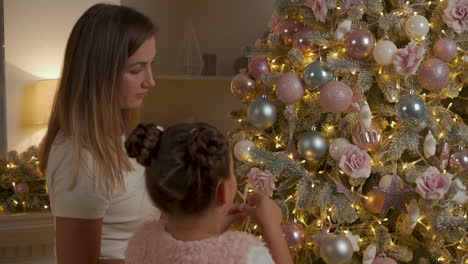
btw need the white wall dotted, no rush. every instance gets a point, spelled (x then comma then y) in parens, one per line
(36, 33)
(223, 27)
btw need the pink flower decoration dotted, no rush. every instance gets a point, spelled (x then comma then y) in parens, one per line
(262, 181)
(433, 184)
(319, 8)
(355, 162)
(407, 60)
(456, 15)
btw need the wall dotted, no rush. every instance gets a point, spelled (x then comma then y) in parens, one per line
(190, 100)
(35, 37)
(222, 27)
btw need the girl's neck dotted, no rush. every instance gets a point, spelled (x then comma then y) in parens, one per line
(197, 227)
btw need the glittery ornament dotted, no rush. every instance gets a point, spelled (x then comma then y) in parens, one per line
(289, 88)
(445, 49)
(257, 67)
(336, 249)
(242, 87)
(360, 43)
(336, 97)
(294, 234)
(459, 161)
(433, 74)
(395, 195)
(262, 113)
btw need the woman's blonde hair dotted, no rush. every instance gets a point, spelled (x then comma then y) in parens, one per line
(86, 107)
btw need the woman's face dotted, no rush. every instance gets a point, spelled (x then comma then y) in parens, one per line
(138, 76)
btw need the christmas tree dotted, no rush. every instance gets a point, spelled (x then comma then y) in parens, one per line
(22, 186)
(353, 120)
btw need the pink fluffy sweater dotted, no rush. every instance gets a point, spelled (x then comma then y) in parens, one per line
(152, 244)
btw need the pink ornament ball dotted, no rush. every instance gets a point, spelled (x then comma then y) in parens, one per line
(445, 49)
(360, 43)
(257, 67)
(433, 74)
(22, 189)
(336, 97)
(290, 88)
(287, 29)
(384, 260)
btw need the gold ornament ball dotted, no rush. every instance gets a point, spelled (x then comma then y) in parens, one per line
(375, 201)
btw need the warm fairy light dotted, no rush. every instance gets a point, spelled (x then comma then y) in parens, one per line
(341, 172)
(381, 14)
(338, 8)
(441, 135)
(415, 13)
(353, 72)
(438, 120)
(390, 137)
(273, 61)
(45, 206)
(321, 172)
(239, 120)
(441, 258)
(335, 54)
(405, 165)
(365, 197)
(429, 3)
(14, 184)
(15, 202)
(329, 209)
(294, 211)
(291, 156)
(312, 185)
(255, 227)
(302, 162)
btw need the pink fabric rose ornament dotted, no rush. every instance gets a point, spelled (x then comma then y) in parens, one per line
(319, 8)
(262, 181)
(407, 60)
(355, 162)
(433, 184)
(456, 15)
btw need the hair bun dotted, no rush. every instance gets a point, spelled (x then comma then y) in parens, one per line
(142, 142)
(206, 146)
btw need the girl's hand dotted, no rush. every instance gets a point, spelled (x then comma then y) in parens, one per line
(263, 210)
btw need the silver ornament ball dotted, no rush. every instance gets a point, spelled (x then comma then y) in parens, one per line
(317, 74)
(336, 249)
(262, 113)
(312, 145)
(411, 109)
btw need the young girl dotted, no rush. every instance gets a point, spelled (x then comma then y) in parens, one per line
(95, 189)
(189, 176)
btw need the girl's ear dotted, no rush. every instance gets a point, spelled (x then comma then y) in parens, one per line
(222, 193)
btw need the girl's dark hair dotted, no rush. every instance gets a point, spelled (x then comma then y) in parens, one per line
(184, 164)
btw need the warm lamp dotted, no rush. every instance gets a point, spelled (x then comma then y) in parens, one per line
(38, 101)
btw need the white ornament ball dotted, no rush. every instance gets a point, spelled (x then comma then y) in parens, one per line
(337, 146)
(417, 26)
(242, 150)
(384, 52)
(386, 180)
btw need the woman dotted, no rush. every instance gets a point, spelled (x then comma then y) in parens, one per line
(97, 194)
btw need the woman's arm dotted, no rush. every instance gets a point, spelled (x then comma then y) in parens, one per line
(78, 240)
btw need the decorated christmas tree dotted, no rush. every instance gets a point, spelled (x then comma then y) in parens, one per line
(354, 120)
(22, 187)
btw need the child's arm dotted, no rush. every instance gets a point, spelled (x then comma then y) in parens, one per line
(268, 217)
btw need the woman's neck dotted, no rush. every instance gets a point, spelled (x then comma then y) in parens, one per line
(199, 227)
